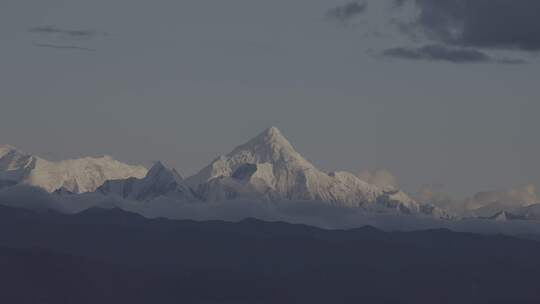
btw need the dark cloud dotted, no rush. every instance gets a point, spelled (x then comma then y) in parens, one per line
(347, 11)
(67, 33)
(444, 53)
(497, 24)
(64, 47)
(398, 3)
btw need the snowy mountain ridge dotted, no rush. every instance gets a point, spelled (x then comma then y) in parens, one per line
(74, 175)
(266, 168)
(159, 181)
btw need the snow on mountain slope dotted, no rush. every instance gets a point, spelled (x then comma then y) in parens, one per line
(76, 175)
(14, 165)
(269, 167)
(159, 181)
(265, 169)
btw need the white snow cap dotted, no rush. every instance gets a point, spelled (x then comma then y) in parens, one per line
(265, 168)
(281, 173)
(76, 175)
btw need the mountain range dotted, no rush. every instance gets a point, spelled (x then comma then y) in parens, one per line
(266, 168)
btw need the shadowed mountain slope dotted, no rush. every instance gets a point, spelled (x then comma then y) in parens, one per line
(254, 261)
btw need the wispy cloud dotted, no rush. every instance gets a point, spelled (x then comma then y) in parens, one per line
(55, 37)
(486, 203)
(381, 178)
(446, 54)
(67, 33)
(64, 47)
(347, 11)
(520, 196)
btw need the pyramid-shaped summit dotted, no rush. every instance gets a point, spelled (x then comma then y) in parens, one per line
(160, 173)
(159, 182)
(270, 138)
(274, 167)
(270, 146)
(269, 168)
(270, 150)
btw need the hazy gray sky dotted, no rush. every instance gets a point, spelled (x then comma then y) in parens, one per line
(184, 81)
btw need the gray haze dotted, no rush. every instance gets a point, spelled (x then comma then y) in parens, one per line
(184, 81)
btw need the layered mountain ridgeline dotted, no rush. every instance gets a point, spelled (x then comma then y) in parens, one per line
(112, 256)
(267, 168)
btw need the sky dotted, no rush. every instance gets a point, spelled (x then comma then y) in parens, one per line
(437, 92)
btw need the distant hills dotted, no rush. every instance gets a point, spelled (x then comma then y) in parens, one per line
(113, 256)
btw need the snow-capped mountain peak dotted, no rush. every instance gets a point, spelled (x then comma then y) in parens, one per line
(159, 171)
(268, 167)
(76, 175)
(265, 168)
(269, 147)
(160, 181)
(14, 164)
(270, 142)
